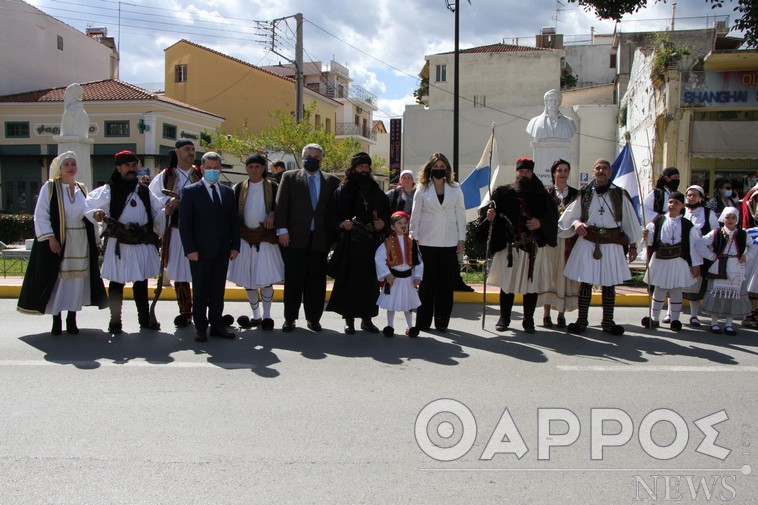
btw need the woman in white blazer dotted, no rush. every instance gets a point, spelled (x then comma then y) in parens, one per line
(438, 224)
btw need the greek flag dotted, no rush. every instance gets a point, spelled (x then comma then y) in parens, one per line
(479, 179)
(624, 176)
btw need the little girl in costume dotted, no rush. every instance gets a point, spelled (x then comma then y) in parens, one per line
(398, 264)
(726, 296)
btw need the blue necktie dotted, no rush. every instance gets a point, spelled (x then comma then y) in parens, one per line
(216, 198)
(314, 193)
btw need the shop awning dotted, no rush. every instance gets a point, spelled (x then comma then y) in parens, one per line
(724, 139)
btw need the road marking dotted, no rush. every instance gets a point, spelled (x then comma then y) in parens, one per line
(137, 363)
(656, 368)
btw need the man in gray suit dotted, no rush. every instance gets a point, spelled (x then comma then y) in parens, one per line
(302, 205)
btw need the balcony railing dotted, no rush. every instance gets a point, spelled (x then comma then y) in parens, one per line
(354, 130)
(353, 91)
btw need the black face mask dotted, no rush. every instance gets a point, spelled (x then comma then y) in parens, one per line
(311, 164)
(673, 185)
(439, 173)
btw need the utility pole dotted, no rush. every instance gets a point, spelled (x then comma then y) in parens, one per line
(454, 6)
(297, 62)
(299, 68)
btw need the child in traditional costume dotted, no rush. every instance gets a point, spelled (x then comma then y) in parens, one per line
(675, 249)
(726, 295)
(398, 264)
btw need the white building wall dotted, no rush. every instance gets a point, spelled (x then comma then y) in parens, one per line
(36, 62)
(591, 64)
(512, 78)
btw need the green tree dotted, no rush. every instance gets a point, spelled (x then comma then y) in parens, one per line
(615, 9)
(289, 137)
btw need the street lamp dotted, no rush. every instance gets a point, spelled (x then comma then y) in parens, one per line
(453, 6)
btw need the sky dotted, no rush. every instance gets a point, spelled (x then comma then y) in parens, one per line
(381, 42)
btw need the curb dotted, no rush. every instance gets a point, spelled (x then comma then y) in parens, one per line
(236, 294)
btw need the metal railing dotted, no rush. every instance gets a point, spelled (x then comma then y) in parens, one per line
(354, 130)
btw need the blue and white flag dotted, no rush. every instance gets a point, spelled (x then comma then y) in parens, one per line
(474, 187)
(752, 234)
(624, 176)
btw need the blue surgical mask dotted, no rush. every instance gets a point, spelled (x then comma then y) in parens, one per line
(727, 193)
(311, 164)
(211, 175)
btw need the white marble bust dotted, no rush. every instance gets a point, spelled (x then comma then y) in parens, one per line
(551, 124)
(75, 121)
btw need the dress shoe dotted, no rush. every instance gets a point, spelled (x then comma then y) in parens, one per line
(667, 319)
(561, 323)
(441, 329)
(155, 326)
(412, 332)
(288, 326)
(676, 325)
(71, 327)
(200, 335)
(464, 288)
(367, 325)
(267, 324)
(695, 322)
(547, 322)
(528, 325)
(349, 327)
(314, 325)
(255, 322)
(388, 331)
(730, 331)
(221, 333)
(228, 319)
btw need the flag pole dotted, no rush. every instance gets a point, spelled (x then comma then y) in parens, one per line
(644, 221)
(485, 267)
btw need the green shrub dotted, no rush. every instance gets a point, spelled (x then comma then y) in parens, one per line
(16, 227)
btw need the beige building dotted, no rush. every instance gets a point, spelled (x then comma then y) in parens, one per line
(40, 51)
(122, 116)
(354, 117)
(242, 93)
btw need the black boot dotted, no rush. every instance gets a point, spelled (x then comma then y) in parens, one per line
(56, 329)
(71, 323)
(506, 305)
(143, 306)
(115, 300)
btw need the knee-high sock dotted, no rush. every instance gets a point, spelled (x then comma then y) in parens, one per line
(252, 297)
(585, 297)
(675, 303)
(609, 299)
(694, 308)
(530, 304)
(139, 288)
(267, 296)
(184, 298)
(115, 300)
(408, 318)
(659, 296)
(391, 318)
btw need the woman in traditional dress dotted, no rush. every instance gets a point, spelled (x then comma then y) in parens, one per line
(565, 295)
(62, 273)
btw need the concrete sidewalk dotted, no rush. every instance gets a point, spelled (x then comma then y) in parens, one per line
(625, 296)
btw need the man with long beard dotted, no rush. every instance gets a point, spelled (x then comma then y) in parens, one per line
(525, 220)
(361, 215)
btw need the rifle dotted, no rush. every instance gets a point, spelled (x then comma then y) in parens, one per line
(164, 252)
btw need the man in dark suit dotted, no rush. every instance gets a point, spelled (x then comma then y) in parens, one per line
(302, 203)
(210, 234)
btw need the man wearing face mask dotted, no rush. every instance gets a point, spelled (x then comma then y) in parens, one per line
(656, 202)
(360, 216)
(210, 233)
(135, 217)
(300, 217)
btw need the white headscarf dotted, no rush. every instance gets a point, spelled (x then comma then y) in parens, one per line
(55, 166)
(727, 211)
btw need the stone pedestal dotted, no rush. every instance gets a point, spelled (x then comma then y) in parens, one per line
(82, 146)
(545, 152)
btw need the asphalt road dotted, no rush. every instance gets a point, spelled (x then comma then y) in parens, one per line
(308, 417)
